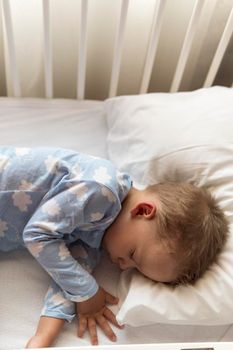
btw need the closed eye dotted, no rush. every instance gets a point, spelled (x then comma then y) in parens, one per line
(132, 254)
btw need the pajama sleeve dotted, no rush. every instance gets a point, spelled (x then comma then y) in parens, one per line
(79, 206)
(55, 302)
(56, 305)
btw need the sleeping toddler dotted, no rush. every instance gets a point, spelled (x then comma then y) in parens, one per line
(64, 207)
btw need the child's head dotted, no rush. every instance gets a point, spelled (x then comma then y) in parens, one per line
(171, 232)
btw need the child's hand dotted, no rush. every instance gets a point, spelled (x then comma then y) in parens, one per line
(94, 311)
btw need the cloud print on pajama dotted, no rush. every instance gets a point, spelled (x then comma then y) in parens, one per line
(58, 203)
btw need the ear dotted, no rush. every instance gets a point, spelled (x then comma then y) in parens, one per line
(146, 209)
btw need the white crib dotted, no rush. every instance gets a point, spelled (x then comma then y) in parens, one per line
(56, 97)
(206, 26)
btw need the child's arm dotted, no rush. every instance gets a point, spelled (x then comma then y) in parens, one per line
(91, 313)
(47, 331)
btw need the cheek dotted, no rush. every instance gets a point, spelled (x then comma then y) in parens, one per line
(111, 240)
(117, 237)
(117, 246)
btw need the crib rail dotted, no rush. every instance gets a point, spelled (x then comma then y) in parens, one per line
(184, 54)
(48, 59)
(153, 44)
(118, 49)
(82, 51)
(11, 49)
(220, 51)
(150, 57)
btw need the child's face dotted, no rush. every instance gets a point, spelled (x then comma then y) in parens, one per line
(131, 243)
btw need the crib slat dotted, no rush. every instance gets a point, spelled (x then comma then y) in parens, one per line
(48, 65)
(222, 46)
(153, 44)
(82, 51)
(118, 49)
(11, 49)
(184, 54)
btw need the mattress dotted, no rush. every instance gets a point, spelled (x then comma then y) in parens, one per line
(79, 125)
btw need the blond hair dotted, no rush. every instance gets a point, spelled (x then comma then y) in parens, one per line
(191, 217)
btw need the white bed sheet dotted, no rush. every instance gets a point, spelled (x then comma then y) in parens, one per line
(23, 286)
(81, 126)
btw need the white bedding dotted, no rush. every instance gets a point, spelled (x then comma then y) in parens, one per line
(184, 136)
(23, 286)
(81, 126)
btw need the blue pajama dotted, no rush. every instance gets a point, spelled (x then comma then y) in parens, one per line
(51, 201)
(55, 303)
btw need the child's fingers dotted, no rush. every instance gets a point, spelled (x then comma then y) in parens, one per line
(103, 323)
(92, 330)
(111, 317)
(82, 325)
(109, 298)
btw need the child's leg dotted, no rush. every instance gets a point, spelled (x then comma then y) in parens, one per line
(57, 309)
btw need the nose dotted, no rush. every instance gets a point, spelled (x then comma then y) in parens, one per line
(125, 264)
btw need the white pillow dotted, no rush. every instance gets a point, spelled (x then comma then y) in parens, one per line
(185, 136)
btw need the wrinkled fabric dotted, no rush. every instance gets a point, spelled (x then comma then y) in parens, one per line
(50, 198)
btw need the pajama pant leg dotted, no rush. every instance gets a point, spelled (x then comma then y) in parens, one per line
(55, 303)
